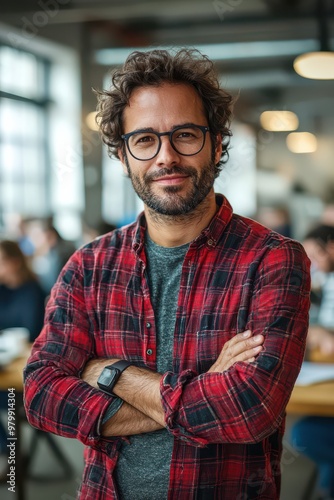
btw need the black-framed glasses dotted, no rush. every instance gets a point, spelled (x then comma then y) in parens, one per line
(145, 144)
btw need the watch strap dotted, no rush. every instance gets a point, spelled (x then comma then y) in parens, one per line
(120, 365)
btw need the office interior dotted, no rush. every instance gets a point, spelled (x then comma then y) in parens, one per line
(53, 53)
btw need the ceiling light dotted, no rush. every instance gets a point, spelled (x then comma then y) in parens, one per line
(315, 65)
(318, 65)
(279, 121)
(302, 142)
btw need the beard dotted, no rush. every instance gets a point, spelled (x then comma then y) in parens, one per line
(172, 202)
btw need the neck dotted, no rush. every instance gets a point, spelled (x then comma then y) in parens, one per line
(172, 231)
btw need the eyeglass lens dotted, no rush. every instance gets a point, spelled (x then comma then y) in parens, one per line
(186, 141)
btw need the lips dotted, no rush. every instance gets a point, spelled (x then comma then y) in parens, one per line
(171, 179)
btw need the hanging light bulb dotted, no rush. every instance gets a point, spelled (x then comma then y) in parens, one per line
(317, 65)
(279, 121)
(302, 142)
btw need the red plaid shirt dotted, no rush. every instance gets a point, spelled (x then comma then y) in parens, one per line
(228, 426)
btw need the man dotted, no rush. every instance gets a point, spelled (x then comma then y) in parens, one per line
(206, 310)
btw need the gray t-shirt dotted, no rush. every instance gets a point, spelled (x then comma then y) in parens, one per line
(142, 471)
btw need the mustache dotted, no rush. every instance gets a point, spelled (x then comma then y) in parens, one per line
(164, 172)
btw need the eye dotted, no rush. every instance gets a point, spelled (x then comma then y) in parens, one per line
(147, 138)
(143, 139)
(186, 134)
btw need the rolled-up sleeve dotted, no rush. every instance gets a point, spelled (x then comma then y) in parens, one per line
(56, 399)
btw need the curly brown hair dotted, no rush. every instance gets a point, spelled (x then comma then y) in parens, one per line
(154, 68)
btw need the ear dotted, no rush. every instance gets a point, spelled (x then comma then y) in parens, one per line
(218, 148)
(122, 158)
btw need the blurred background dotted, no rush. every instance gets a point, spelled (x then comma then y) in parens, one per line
(52, 52)
(59, 189)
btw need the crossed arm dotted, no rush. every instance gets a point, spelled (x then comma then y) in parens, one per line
(139, 388)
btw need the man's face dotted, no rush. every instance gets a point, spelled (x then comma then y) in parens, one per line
(170, 183)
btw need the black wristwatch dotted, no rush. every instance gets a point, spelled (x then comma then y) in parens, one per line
(110, 374)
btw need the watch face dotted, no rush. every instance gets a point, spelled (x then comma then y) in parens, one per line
(108, 377)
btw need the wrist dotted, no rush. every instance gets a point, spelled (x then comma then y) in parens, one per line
(110, 375)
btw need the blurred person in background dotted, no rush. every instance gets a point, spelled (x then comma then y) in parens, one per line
(171, 345)
(275, 217)
(51, 252)
(90, 232)
(314, 436)
(319, 245)
(22, 304)
(22, 300)
(327, 217)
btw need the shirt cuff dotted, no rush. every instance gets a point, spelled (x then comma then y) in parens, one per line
(112, 409)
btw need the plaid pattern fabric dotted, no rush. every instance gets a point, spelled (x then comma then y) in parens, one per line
(228, 427)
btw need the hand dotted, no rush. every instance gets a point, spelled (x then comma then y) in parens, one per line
(93, 370)
(242, 347)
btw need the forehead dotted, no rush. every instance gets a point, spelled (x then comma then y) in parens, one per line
(163, 107)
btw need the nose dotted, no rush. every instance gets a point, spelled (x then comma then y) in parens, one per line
(167, 155)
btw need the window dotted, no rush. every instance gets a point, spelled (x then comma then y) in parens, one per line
(41, 155)
(23, 134)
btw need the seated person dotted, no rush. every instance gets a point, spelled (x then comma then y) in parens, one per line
(314, 436)
(22, 303)
(319, 245)
(22, 300)
(51, 252)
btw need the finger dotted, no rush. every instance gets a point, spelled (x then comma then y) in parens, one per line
(251, 353)
(245, 356)
(244, 346)
(240, 338)
(229, 346)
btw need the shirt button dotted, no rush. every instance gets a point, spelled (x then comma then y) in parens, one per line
(149, 352)
(210, 243)
(148, 325)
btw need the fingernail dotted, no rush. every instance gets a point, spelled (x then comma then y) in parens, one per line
(257, 338)
(246, 334)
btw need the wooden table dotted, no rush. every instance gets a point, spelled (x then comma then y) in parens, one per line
(315, 399)
(12, 377)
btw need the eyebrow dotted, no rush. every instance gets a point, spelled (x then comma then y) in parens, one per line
(150, 129)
